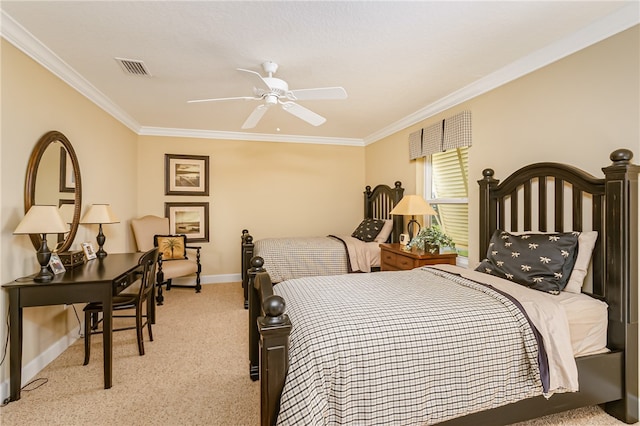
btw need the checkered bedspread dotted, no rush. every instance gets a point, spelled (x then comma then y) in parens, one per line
(287, 258)
(403, 348)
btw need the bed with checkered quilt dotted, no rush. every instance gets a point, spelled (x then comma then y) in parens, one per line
(406, 345)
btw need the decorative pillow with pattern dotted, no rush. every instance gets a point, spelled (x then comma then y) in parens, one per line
(368, 230)
(171, 246)
(540, 261)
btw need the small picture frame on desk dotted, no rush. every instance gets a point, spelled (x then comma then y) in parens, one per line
(55, 264)
(88, 250)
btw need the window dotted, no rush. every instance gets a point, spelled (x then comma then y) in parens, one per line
(446, 189)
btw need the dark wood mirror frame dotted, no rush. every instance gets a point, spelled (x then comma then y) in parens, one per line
(30, 184)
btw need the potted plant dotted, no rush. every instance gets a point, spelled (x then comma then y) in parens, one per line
(431, 239)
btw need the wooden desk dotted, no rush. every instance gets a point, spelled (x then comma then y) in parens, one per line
(394, 258)
(98, 280)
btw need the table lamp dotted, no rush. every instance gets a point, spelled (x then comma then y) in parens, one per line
(42, 220)
(413, 205)
(99, 214)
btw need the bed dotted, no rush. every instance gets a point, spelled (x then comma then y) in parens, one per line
(332, 254)
(535, 199)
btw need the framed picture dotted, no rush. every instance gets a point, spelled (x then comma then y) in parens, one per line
(55, 264)
(88, 250)
(186, 174)
(67, 178)
(191, 219)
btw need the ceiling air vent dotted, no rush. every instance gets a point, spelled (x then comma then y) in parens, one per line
(133, 67)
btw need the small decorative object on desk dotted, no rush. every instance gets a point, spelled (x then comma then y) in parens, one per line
(88, 250)
(431, 239)
(55, 264)
(71, 259)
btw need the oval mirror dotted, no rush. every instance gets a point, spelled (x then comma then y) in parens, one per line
(53, 178)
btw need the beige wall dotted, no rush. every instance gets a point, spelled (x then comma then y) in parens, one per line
(272, 189)
(577, 110)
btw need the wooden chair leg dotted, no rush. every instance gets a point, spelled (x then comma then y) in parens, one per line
(87, 337)
(139, 331)
(94, 320)
(149, 308)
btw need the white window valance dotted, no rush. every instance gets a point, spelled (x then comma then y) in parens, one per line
(450, 133)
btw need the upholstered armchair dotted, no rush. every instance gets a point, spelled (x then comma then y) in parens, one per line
(173, 261)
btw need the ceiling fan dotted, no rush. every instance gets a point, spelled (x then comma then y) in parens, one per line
(274, 91)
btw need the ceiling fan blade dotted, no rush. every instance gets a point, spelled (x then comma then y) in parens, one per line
(303, 113)
(256, 79)
(244, 98)
(255, 116)
(318, 93)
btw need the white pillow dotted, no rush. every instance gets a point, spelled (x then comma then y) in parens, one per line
(383, 236)
(586, 243)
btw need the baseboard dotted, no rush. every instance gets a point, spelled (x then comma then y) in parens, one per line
(211, 279)
(34, 367)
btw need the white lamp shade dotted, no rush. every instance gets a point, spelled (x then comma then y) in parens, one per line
(413, 205)
(99, 213)
(42, 220)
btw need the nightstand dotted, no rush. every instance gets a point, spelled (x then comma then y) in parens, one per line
(394, 258)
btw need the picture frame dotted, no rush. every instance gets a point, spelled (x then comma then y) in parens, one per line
(186, 174)
(67, 177)
(191, 219)
(88, 250)
(55, 264)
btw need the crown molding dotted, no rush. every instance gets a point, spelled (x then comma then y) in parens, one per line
(619, 21)
(257, 137)
(17, 35)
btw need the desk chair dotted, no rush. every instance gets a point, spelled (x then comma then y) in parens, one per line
(133, 297)
(153, 231)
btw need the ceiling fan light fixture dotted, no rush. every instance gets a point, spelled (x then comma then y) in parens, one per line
(271, 99)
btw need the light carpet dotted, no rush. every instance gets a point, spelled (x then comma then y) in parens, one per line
(195, 372)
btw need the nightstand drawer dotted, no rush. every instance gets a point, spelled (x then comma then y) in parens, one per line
(405, 262)
(388, 257)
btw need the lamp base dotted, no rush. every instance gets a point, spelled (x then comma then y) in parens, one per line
(44, 276)
(100, 239)
(43, 255)
(412, 223)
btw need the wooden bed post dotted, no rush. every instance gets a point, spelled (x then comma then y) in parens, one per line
(246, 254)
(274, 328)
(398, 221)
(254, 313)
(621, 245)
(488, 210)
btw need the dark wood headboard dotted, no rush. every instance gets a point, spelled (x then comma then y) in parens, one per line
(533, 199)
(379, 203)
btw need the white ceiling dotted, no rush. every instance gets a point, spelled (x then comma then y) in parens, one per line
(399, 62)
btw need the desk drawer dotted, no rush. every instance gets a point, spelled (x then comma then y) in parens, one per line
(125, 281)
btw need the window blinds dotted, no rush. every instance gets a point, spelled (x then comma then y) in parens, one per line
(450, 133)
